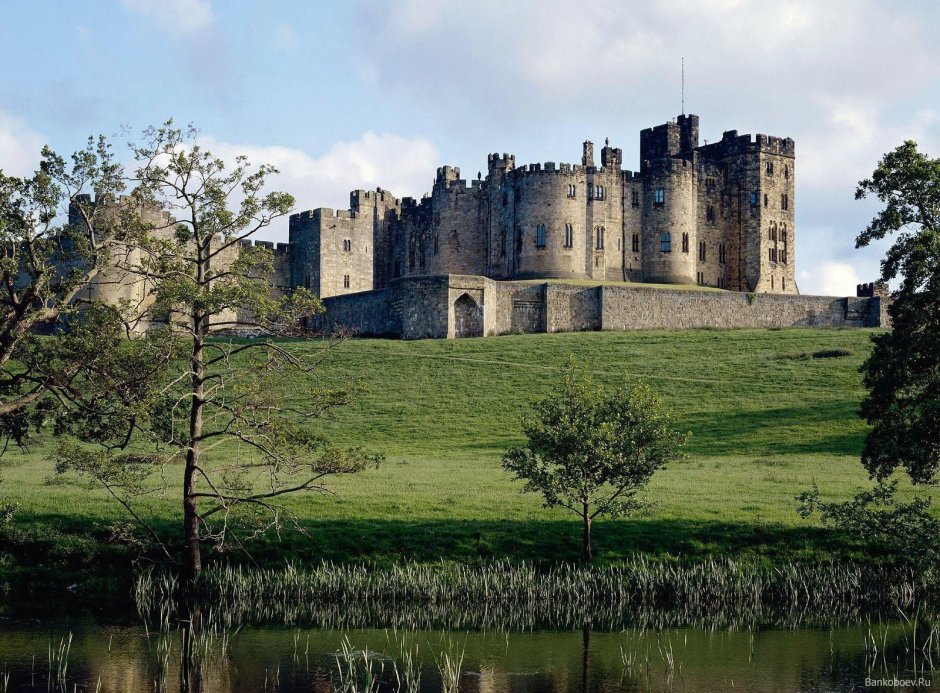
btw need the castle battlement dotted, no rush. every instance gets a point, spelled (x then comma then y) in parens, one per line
(733, 144)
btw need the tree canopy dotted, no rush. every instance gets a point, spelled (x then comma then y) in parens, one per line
(903, 372)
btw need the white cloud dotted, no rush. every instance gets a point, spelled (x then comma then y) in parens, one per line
(829, 278)
(19, 146)
(178, 16)
(402, 165)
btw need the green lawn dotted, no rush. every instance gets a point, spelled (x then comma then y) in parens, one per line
(767, 420)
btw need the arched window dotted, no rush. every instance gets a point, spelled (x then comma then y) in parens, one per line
(659, 196)
(347, 245)
(665, 242)
(572, 190)
(569, 235)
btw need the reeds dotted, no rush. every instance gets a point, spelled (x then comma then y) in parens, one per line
(650, 593)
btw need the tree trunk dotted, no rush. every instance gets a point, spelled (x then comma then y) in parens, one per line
(193, 564)
(586, 537)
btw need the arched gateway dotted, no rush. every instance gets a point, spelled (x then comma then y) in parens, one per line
(468, 317)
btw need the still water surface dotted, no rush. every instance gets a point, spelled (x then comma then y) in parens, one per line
(118, 657)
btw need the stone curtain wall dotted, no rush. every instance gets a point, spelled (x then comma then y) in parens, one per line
(462, 305)
(638, 309)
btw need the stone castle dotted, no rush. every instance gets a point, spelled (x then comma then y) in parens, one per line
(566, 247)
(719, 215)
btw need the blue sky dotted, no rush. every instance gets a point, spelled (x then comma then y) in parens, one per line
(344, 95)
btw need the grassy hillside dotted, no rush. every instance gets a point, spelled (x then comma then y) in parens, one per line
(771, 411)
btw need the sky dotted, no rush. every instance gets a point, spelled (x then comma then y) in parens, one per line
(365, 94)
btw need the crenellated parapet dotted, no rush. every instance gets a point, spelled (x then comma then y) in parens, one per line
(733, 144)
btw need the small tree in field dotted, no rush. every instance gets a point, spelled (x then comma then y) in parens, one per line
(591, 452)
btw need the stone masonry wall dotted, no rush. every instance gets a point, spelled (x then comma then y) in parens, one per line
(637, 309)
(462, 306)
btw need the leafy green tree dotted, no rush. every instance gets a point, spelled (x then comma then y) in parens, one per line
(44, 266)
(903, 372)
(908, 531)
(591, 452)
(210, 392)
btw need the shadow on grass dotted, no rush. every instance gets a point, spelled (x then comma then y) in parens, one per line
(49, 552)
(769, 431)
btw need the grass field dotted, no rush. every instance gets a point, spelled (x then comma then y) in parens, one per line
(768, 419)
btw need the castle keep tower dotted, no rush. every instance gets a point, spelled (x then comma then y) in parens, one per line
(718, 215)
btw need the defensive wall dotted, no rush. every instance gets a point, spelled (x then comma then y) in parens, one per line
(448, 306)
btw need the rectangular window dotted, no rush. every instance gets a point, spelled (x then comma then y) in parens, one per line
(572, 190)
(347, 245)
(784, 201)
(569, 235)
(635, 198)
(754, 198)
(599, 234)
(710, 214)
(636, 243)
(540, 236)
(659, 196)
(345, 281)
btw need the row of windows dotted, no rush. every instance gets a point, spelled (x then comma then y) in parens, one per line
(784, 200)
(541, 235)
(783, 283)
(773, 230)
(665, 246)
(777, 255)
(347, 246)
(769, 169)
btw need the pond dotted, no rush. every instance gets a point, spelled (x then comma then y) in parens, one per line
(113, 655)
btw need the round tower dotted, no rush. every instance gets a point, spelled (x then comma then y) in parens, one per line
(549, 222)
(669, 229)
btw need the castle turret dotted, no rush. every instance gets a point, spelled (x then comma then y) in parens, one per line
(587, 158)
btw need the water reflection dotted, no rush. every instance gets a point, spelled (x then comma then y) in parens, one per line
(113, 657)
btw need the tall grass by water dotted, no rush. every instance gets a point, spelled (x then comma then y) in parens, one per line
(501, 594)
